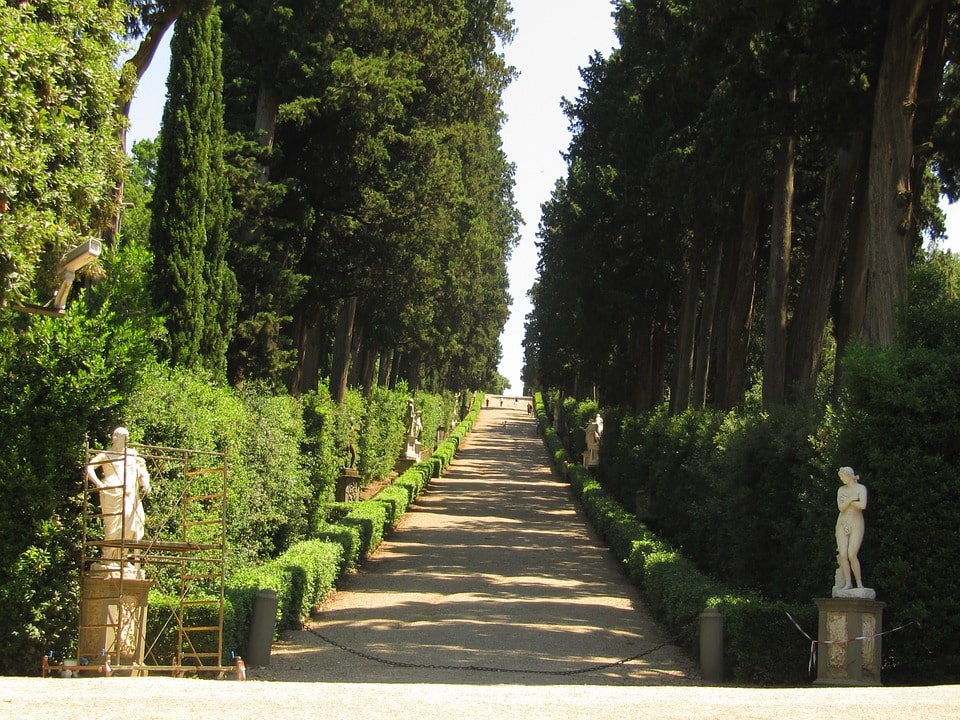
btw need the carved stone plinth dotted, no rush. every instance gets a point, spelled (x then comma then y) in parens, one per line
(348, 486)
(849, 642)
(413, 449)
(113, 618)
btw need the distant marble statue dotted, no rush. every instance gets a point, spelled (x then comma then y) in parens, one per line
(124, 476)
(851, 502)
(410, 415)
(593, 432)
(414, 428)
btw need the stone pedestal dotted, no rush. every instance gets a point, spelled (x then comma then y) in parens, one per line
(848, 648)
(113, 617)
(348, 486)
(413, 449)
(591, 458)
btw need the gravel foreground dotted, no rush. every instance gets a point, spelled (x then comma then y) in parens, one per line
(160, 698)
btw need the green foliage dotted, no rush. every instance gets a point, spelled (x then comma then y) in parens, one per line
(302, 577)
(383, 433)
(261, 434)
(193, 286)
(60, 159)
(761, 645)
(744, 494)
(370, 517)
(58, 378)
(417, 220)
(900, 430)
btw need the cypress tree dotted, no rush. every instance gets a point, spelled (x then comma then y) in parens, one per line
(194, 288)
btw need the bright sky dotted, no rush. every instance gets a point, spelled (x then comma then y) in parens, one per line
(554, 39)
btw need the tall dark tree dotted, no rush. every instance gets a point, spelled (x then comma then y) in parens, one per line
(193, 287)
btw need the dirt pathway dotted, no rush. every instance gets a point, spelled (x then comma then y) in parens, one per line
(492, 577)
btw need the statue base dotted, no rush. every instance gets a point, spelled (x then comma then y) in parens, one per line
(849, 641)
(860, 593)
(413, 450)
(348, 486)
(113, 620)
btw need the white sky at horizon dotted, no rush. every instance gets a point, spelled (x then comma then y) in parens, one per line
(554, 39)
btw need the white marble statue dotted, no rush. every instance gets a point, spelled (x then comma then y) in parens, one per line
(592, 434)
(123, 476)
(851, 502)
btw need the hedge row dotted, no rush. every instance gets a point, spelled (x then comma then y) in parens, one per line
(761, 645)
(308, 571)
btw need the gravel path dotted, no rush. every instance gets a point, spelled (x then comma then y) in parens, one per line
(492, 598)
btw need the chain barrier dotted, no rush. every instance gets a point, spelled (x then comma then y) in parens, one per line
(486, 668)
(812, 662)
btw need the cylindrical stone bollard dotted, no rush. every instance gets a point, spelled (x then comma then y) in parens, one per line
(711, 646)
(262, 625)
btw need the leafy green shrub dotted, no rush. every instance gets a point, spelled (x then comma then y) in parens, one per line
(302, 577)
(382, 435)
(60, 378)
(261, 435)
(348, 537)
(761, 645)
(900, 430)
(162, 633)
(371, 518)
(395, 499)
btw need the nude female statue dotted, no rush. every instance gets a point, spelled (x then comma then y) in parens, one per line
(851, 502)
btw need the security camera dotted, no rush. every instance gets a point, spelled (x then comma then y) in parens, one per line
(81, 256)
(72, 261)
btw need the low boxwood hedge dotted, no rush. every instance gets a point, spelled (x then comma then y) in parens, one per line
(761, 644)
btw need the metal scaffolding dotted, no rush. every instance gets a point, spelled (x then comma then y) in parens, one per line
(181, 554)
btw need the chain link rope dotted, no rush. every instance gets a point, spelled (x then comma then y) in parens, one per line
(485, 668)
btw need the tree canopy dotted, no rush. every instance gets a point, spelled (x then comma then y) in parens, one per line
(736, 173)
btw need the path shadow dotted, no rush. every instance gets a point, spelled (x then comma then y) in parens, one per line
(492, 577)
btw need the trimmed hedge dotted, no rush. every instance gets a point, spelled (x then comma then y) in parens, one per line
(761, 645)
(302, 577)
(342, 537)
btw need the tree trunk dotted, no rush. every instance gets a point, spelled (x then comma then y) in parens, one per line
(853, 299)
(306, 373)
(368, 371)
(892, 197)
(268, 105)
(781, 241)
(128, 86)
(414, 370)
(736, 317)
(686, 332)
(386, 366)
(342, 344)
(142, 58)
(708, 313)
(809, 323)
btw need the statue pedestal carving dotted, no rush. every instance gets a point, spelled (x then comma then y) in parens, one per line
(849, 642)
(113, 618)
(413, 449)
(348, 486)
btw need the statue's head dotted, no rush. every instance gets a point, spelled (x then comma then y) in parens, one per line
(121, 434)
(846, 473)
